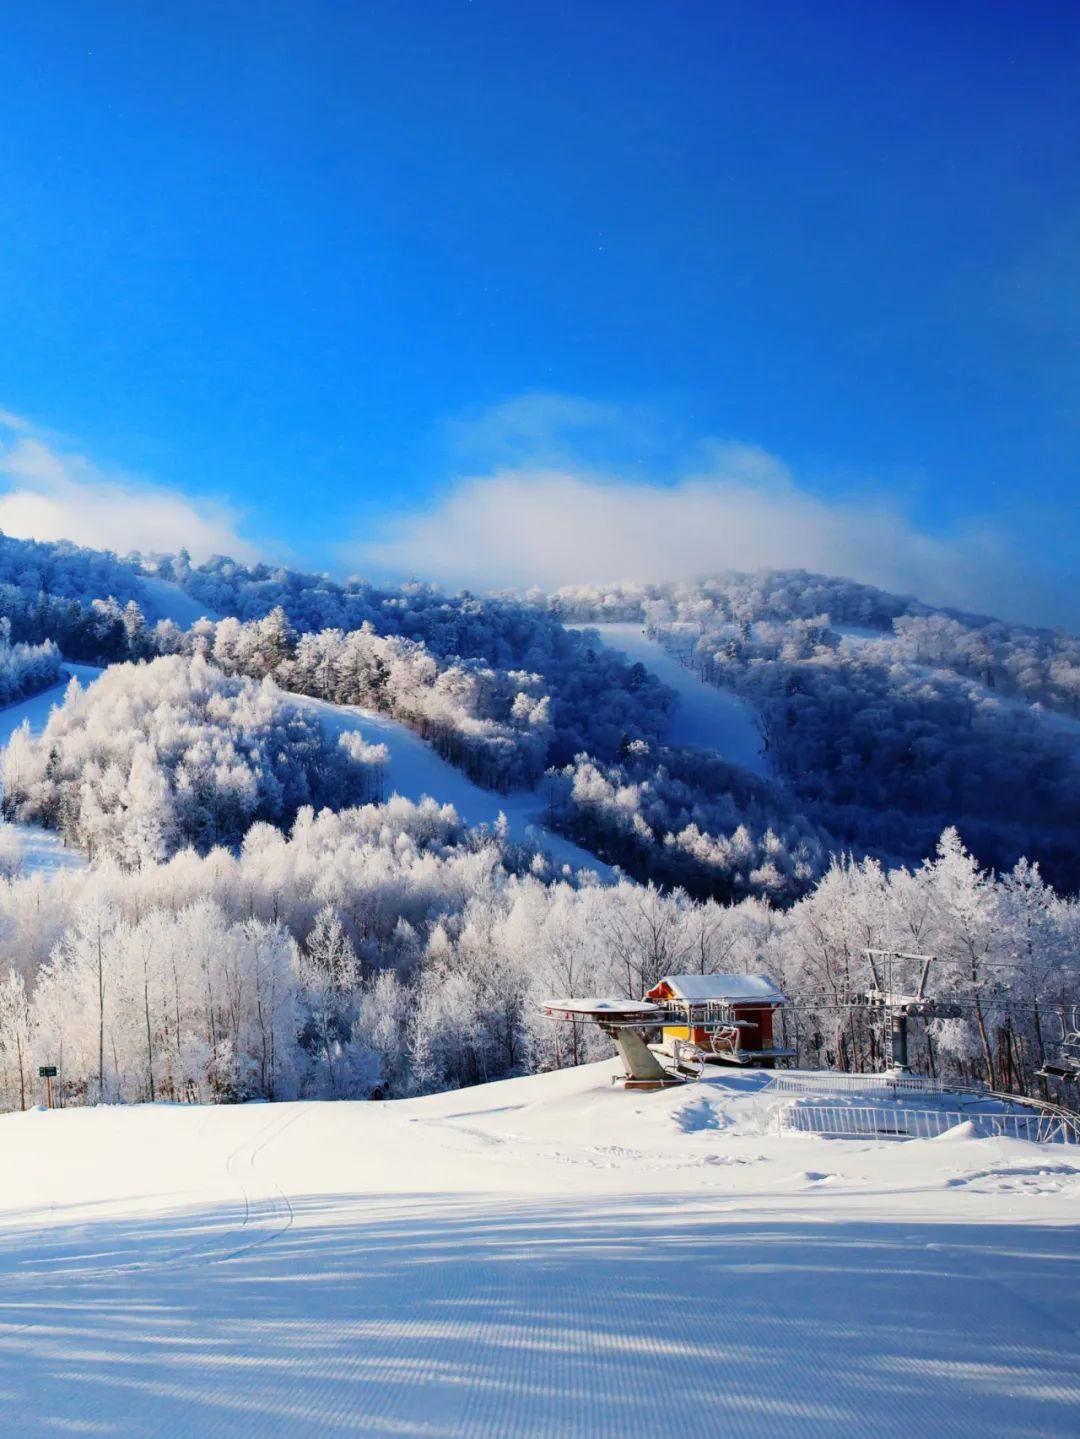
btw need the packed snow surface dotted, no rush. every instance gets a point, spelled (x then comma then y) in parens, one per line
(707, 716)
(38, 707)
(541, 1257)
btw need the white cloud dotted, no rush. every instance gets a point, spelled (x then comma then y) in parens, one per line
(553, 526)
(15, 423)
(47, 493)
(538, 428)
(544, 508)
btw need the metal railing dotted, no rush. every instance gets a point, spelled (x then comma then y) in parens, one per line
(877, 1122)
(831, 1082)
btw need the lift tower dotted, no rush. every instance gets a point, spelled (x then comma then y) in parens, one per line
(887, 995)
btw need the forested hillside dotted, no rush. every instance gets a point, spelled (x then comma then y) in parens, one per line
(159, 757)
(886, 720)
(260, 919)
(882, 720)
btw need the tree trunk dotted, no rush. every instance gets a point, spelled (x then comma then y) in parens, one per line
(149, 1040)
(101, 1019)
(985, 1038)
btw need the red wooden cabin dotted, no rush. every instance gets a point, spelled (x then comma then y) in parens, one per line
(731, 1018)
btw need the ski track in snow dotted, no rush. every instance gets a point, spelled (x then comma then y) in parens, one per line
(417, 1268)
(707, 717)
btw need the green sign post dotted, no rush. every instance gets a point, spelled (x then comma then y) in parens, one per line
(47, 1072)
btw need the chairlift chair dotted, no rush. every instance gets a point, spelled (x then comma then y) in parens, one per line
(1066, 1064)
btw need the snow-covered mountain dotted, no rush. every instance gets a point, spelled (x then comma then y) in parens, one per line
(285, 840)
(388, 803)
(829, 715)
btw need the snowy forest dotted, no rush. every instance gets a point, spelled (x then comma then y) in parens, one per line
(387, 950)
(259, 917)
(25, 669)
(885, 720)
(158, 757)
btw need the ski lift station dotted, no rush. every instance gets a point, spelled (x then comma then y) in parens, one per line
(701, 1018)
(686, 1022)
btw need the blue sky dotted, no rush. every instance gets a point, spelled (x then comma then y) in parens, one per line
(325, 280)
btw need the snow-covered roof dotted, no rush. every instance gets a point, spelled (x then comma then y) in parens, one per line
(700, 988)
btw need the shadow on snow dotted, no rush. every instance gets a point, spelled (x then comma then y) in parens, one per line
(439, 1316)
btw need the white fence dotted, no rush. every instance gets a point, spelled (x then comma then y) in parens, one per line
(808, 1081)
(878, 1122)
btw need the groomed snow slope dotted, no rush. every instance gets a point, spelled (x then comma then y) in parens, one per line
(164, 600)
(707, 717)
(38, 707)
(541, 1257)
(415, 770)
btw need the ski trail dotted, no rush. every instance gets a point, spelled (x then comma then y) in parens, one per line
(275, 1212)
(269, 1214)
(708, 717)
(415, 770)
(540, 1258)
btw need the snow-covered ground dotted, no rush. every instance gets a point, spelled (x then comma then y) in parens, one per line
(37, 708)
(708, 717)
(542, 1257)
(39, 849)
(164, 600)
(415, 770)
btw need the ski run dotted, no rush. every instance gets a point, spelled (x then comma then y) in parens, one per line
(537, 1258)
(708, 717)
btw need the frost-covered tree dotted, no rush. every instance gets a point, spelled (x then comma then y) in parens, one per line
(329, 975)
(16, 1041)
(386, 950)
(151, 758)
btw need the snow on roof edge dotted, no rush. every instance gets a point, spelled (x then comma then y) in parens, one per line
(704, 987)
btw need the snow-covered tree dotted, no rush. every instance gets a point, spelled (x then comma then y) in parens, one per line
(150, 758)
